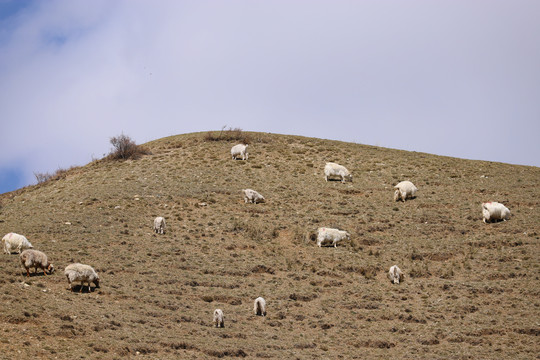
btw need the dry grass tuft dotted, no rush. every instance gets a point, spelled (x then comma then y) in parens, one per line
(228, 135)
(43, 178)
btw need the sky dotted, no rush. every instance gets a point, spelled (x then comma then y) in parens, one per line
(458, 78)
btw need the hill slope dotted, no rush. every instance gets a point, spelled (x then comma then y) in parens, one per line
(471, 289)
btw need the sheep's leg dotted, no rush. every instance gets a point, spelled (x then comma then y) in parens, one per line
(28, 272)
(44, 271)
(82, 285)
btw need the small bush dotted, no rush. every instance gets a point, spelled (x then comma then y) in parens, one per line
(125, 148)
(228, 135)
(42, 178)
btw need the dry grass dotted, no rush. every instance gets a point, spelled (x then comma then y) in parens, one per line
(57, 175)
(471, 289)
(231, 134)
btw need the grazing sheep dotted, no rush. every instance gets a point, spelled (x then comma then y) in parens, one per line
(82, 273)
(259, 307)
(252, 196)
(34, 258)
(332, 169)
(218, 318)
(494, 211)
(15, 242)
(395, 274)
(159, 225)
(239, 150)
(331, 235)
(404, 190)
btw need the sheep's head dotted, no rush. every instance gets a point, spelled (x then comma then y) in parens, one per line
(485, 212)
(96, 282)
(396, 195)
(50, 268)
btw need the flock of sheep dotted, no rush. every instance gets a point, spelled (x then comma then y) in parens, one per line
(31, 258)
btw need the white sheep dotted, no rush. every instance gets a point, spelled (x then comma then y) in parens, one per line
(218, 318)
(404, 190)
(34, 258)
(239, 150)
(494, 211)
(395, 274)
(331, 235)
(332, 170)
(15, 242)
(83, 273)
(259, 307)
(159, 225)
(252, 196)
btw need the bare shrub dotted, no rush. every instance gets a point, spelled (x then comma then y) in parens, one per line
(228, 135)
(125, 148)
(42, 178)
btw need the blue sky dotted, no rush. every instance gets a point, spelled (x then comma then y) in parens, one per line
(456, 78)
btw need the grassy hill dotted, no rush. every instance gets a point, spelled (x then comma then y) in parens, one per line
(471, 289)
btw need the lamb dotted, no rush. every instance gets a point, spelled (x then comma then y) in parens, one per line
(159, 225)
(34, 258)
(404, 190)
(395, 274)
(82, 273)
(333, 169)
(494, 211)
(16, 242)
(252, 196)
(218, 318)
(259, 307)
(331, 235)
(239, 150)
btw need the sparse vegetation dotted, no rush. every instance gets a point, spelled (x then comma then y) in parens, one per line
(228, 135)
(42, 178)
(470, 288)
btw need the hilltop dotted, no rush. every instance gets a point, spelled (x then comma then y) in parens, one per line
(471, 289)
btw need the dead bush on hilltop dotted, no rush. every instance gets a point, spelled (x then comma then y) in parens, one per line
(227, 135)
(125, 148)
